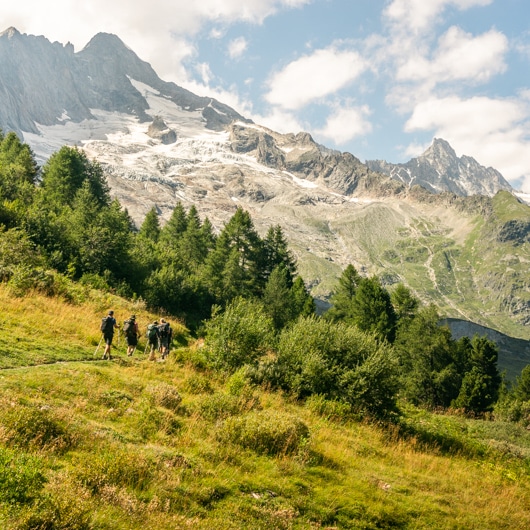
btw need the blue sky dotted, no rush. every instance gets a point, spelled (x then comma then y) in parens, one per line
(377, 78)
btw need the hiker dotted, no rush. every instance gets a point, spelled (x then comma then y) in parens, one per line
(108, 324)
(165, 336)
(131, 331)
(152, 339)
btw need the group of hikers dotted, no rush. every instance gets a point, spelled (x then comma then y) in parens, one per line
(159, 336)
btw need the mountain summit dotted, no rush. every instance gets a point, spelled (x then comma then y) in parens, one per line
(439, 169)
(46, 84)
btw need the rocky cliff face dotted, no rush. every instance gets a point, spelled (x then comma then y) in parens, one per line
(46, 83)
(438, 169)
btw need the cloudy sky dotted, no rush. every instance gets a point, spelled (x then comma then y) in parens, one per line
(377, 78)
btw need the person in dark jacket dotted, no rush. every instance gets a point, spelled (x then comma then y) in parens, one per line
(108, 326)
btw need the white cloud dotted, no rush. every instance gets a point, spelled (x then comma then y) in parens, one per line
(495, 132)
(346, 123)
(237, 47)
(160, 29)
(419, 15)
(279, 120)
(314, 76)
(460, 56)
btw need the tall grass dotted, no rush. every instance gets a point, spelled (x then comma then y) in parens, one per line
(135, 444)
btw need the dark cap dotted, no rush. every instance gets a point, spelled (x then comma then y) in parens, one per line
(111, 312)
(133, 317)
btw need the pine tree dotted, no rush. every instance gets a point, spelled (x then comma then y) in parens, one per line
(342, 299)
(150, 228)
(372, 309)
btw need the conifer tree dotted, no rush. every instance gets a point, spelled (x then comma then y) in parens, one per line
(372, 309)
(342, 299)
(150, 228)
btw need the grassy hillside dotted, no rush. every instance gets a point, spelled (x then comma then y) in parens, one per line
(130, 444)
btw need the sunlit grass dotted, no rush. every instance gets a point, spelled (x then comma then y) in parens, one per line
(132, 444)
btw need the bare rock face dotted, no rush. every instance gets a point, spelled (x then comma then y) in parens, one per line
(158, 130)
(46, 83)
(439, 169)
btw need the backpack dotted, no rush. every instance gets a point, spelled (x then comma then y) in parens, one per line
(128, 327)
(164, 330)
(152, 331)
(106, 324)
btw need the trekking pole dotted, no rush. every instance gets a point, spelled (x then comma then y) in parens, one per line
(100, 340)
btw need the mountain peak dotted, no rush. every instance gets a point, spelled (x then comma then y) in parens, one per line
(10, 32)
(107, 42)
(439, 169)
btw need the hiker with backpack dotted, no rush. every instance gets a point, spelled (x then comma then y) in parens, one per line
(108, 324)
(165, 335)
(152, 339)
(131, 331)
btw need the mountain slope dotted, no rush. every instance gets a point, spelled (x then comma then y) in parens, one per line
(469, 255)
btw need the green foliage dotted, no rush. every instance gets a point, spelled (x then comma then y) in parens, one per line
(521, 390)
(66, 171)
(21, 477)
(330, 409)
(34, 428)
(431, 371)
(372, 309)
(480, 386)
(343, 297)
(114, 466)
(336, 361)
(267, 432)
(150, 228)
(165, 395)
(277, 298)
(239, 335)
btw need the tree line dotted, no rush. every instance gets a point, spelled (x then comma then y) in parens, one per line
(372, 348)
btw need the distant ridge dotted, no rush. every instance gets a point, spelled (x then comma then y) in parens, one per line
(438, 169)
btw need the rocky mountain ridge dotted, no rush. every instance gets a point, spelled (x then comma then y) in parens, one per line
(160, 144)
(439, 169)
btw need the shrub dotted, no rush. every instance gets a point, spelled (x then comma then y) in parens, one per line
(239, 335)
(114, 466)
(336, 361)
(21, 477)
(329, 409)
(198, 384)
(152, 420)
(219, 406)
(165, 395)
(31, 427)
(266, 432)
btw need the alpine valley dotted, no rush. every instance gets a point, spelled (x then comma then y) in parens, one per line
(452, 230)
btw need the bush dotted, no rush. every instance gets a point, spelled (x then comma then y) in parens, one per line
(336, 361)
(165, 395)
(219, 406)
(239, 335)
(114, 466)
(198, 384)
(152, 420)
(21, 477)
(266, 432)
(515, 410)
(34, 428)
(329, 409)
